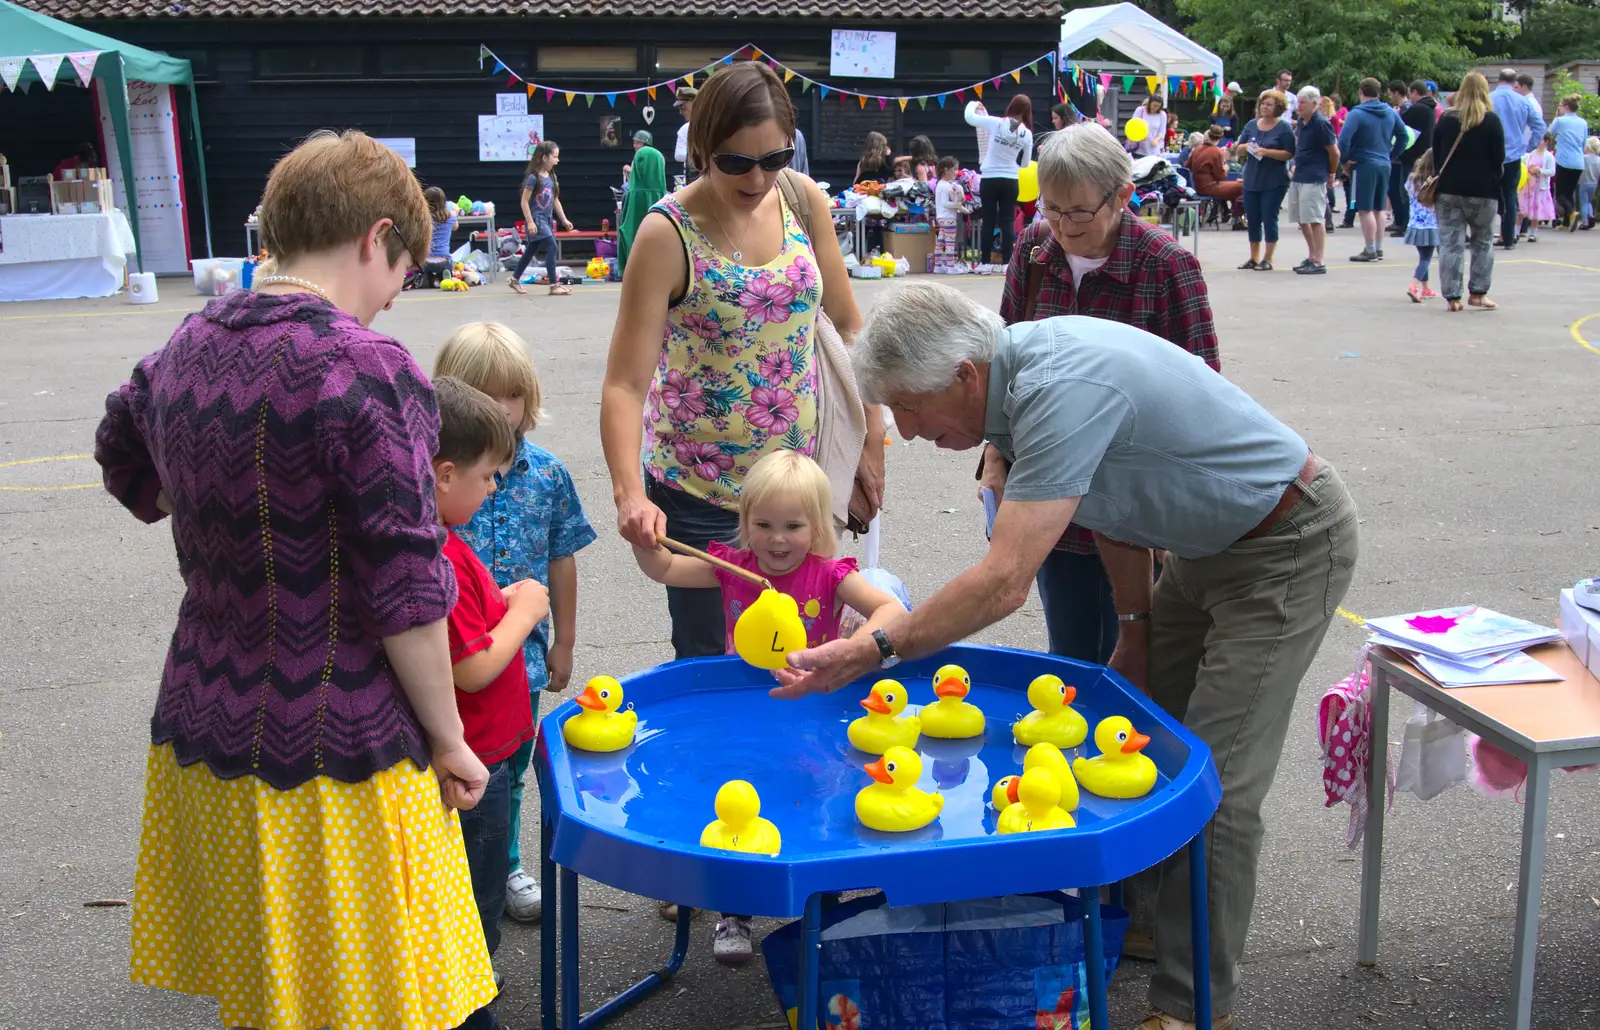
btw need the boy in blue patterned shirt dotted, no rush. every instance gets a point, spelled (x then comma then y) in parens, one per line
(531, 527)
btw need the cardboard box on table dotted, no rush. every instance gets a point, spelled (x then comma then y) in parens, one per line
(1580, 627)
(914, 242)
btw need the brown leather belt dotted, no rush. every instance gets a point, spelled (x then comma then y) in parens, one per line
(1292, 495)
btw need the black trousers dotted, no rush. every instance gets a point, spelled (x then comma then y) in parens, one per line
(1399, 199)
(999, 198)
(1510, 175)
(1567, 192)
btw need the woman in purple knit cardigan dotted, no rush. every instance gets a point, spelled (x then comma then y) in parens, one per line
(299, 861)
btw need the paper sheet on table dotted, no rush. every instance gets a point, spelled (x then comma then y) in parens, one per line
(1518, 668)
(1467, 631)
(1475, 662)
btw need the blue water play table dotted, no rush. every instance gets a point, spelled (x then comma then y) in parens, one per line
(632, 819)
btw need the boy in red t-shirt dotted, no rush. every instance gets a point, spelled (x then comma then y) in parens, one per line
(487, 628)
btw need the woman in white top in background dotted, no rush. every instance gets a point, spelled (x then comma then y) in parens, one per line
(1153, 114)
(1009, 151)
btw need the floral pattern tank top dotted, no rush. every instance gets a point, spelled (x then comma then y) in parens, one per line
(737, 376)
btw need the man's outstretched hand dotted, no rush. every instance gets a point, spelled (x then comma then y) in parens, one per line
(822, 670)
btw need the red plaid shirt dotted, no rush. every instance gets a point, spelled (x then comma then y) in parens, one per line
(1149, 282)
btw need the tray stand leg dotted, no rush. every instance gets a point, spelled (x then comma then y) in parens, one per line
(567, 897)
(1094, 958)
(1200, 930)
(1377, 797)
(809, 1004)
(1529, 881)
(548, 932)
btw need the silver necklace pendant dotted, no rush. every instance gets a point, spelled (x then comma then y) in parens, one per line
(738, 257)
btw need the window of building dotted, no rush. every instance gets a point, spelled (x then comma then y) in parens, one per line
(671, 59)
(966, 64)
(413, 60)
(588, 59)
(316, 61)
(814, 64)
(200, 63)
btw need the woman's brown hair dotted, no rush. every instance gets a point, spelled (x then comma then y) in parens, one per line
(540, 155)
(1021, 110)
(874, 151)
(332, 188)
(748, 93)
(437, 208)
(1224, 100)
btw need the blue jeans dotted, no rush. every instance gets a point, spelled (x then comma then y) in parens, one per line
(1399, 199)
(1510, 175)
(1586, 202)
(1424, 259)
(1078, 614)
(540, 233)
(1261, 209)
(483, 831)
(699, 627)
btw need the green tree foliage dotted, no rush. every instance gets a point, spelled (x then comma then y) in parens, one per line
(1564, 85)
(1336, 43)
(1557, 30)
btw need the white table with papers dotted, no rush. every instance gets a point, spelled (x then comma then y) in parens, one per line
(1548, 725)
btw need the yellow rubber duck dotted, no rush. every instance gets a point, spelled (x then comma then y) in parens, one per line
(1048, 756)
(739, 826)
(768, 630)
(1120, 770)
(1053, 720)
(894, 804)
(883, 727)
(1038, 805)
(952, 717)
(1004, 794)
(600, 727)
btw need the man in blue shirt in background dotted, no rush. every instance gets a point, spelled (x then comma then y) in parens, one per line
(1524, 127)
(1373, 139)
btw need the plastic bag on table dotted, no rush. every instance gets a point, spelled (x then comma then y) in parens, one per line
(902, 266)
(1433, 754)
(481, 261)
(851, 620)
(460, 253)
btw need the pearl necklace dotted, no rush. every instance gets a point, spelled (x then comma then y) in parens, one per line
(289, 280)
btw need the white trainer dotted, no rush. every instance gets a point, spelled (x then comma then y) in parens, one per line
(524, 902)
(731, 945)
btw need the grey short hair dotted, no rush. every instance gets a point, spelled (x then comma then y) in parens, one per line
(1310, 93)
(1085, 152)
(918, 336)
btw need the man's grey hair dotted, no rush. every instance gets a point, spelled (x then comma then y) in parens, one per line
(918, 336)
(1086, 153)
(1310, 93)
(1508, 75)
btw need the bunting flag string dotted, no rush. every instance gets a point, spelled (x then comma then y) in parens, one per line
(751, 52)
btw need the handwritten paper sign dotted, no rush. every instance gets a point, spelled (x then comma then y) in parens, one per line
(510, 104)
(858, 53)
(508, 137)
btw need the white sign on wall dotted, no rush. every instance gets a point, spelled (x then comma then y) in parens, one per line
(509, 104)
(157, 173)
(509, 137)
(405, 146)
(861, 54)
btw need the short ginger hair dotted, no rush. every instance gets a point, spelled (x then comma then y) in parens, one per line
(332, 188)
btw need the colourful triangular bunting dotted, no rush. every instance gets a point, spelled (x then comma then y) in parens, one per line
(83, 64)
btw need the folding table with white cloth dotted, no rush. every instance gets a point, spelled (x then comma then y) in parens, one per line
(63, 257)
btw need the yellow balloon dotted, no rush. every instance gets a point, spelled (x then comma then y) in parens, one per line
(768, 630)
(1522, 180)
(1028, 182)
(1137, 129)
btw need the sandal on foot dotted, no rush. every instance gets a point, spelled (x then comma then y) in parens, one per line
(1158, 1020)
(1481, 300)
(560, 291)
(1251, 265)
(1453, 305)
(516, 288)
(1414, 291)
(1264, 266)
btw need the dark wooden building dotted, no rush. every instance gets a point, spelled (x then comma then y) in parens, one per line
(271, 71)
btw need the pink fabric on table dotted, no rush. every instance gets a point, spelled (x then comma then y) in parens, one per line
(814, 586)
(1344, 728)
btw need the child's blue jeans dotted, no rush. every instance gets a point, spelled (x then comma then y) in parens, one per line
(483, 832)
(1424, 259)
(1586, 201)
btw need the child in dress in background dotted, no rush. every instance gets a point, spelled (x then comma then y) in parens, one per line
(1536, 202)
(1422, 231)
(949, 196)
(786, 534)
(530, 528)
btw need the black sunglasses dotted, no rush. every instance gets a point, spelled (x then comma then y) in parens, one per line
(404, 244)
(739, 164)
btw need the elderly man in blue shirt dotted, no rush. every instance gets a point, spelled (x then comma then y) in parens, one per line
(1118, 431)
(1524, 127)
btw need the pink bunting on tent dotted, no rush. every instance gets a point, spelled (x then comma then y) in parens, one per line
(996, 83)
(1105, 79)
(883, 102)
(549, 94)
(83, 63)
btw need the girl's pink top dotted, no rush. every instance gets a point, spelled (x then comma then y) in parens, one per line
(814, 586)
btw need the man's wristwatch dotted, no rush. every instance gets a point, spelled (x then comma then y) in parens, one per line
(887, 659)
(1133, 616)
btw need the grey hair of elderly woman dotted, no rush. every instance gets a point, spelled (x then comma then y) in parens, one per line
(1084, 153)
(918, 336)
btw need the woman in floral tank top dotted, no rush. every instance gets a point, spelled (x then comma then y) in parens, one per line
(713, 361)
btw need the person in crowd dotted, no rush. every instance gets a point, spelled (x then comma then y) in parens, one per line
(1010, 151)
(444, 223)
(1153, 113)
(1062, 115)
(1535, 200)
(83, 157)
(1115, 431)
(1469, 144)
(1269, 141)
(1316, 160)
(1225, 118)
(1422, 229)
(1419, 113)
(541, 209)
(949, 196)
(1373, 137)
(1193, 140)
(283, 827)
(874, 165)
(530, 529)
(1285, 82)
(802, 158)
(1524, 127)
(1588, 181)
(649, 186)
(1210, 171)
(641, 139)
(727, 276)
(1335, 114)
(488, 626)
(1092, 256)
(1398, 98)
(683, 99)
(924, 161)
(1570, 132)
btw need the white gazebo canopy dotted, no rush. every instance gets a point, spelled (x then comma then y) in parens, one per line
(1128, 29)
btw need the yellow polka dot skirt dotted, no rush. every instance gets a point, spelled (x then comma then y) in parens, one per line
(338, 905)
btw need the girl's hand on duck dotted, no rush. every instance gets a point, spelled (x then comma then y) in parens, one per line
(822, 670)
